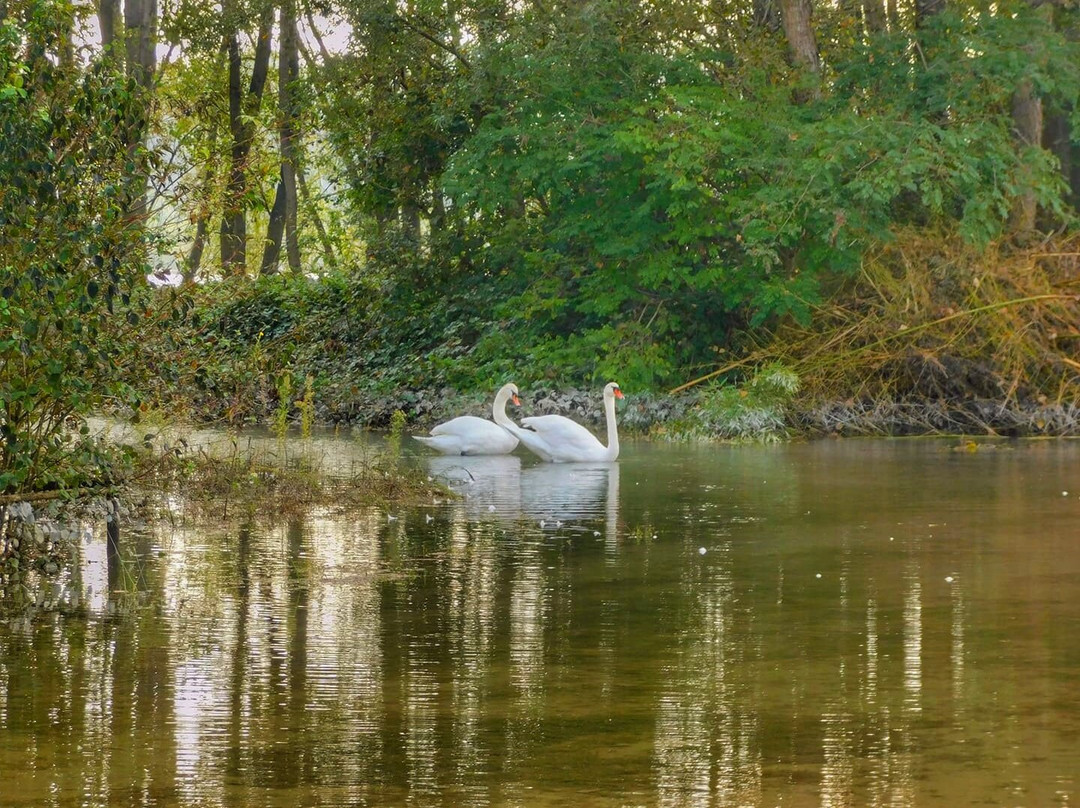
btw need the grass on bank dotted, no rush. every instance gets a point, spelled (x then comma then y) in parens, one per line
(932, 337)
(282, 478)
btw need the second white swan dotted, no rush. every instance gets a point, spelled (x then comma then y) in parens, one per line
(557, 439)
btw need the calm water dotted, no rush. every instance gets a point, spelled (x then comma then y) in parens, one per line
(861, 623)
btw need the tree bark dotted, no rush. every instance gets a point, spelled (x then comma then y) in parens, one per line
(108, 13)
(892, 15)
(874, 15)
(1057, 138)
(140, 40)
(275, 228)
(313, 212)
(925, 9)
(1027, 117)
(795, 15)
(234, 217)
(241, 107)
(410, 221)
(194, 257)
(67, 44)
(288, 74)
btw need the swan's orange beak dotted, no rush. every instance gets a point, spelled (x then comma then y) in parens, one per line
(618, 393)
(516, 400)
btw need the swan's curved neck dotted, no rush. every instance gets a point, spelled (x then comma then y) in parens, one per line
(498, 409)
(612, 429)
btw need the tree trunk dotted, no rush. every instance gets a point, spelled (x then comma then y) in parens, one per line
(274, 231)
(1057, 138)
(892, 15)
(140, 40)
(288, 74)
(67, 44)
(1027, 117)
(874, 15)
(313, 212)
(234, 217)
(194, 257)
(438, 209)
(925, 9)
(108, 12)
(795, 15)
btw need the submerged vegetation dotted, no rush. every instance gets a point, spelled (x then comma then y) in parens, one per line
(243, 478)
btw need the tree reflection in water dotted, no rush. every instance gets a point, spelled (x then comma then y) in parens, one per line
(465, 654)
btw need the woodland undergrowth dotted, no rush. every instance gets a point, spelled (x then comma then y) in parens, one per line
(934, 335)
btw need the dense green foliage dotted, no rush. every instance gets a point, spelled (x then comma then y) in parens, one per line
(70, 255)
(625, 204)
(559, 192)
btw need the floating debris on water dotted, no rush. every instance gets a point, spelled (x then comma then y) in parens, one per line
(818, 575)
(702, 550)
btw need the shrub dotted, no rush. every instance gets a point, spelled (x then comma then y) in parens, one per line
(71, 253)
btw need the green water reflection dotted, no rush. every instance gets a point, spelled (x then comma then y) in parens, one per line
(863, 623)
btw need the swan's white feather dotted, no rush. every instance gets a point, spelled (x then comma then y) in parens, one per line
(469, 435)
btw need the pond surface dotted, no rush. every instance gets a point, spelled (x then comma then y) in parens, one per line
(861, 623)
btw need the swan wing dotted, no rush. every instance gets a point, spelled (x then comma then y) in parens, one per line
(530, 440)
(569, 440)
(469, 435)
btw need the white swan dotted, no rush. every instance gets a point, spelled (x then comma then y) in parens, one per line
(557, 439)
(469, 435)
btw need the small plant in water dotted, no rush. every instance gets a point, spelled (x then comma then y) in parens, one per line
(307, 407)
(753, 411)
(393, 440)
(281, 414)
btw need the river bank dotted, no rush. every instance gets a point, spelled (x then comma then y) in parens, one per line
(692, 415)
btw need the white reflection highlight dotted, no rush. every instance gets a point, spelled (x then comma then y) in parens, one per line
(568, 491)
(912, 639)
(497, 487)
(344, 649)
(838, 770)
(871, 651)
(528, 613)
(473, 581)
(706, 747)
(484, 482)
(956, 654)
(93, 571)
(199, 686)
(421, 706)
